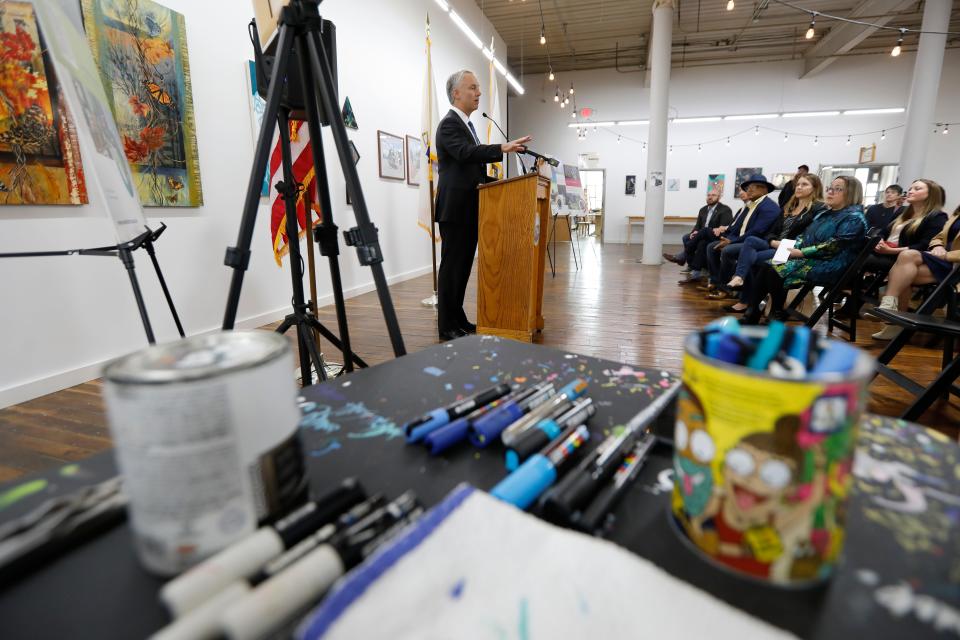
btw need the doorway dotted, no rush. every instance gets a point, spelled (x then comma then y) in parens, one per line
(594, 188)
(874, 178)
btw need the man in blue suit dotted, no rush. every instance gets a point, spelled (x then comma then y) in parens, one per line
(756, 219)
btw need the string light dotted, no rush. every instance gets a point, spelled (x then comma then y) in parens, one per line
(571, 88)
(946, 129)
(566, 100)
(671, 149)
(810, 31)
(551, 76)
(730, 5)
(883, 134)
(543, 37)
(556, 96)
(619, 139)
(756, 130)
(897, 49)
(848, 141)
(699, 148)
(728, 141)
(573, 113)
(785, 137)
(644, 146)
(816, 140)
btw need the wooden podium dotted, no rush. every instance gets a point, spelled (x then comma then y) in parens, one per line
(512, 252)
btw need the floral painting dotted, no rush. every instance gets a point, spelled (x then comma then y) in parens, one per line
(39, 153)
(140, 48)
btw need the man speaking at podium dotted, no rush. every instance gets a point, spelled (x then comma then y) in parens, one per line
(462, 166)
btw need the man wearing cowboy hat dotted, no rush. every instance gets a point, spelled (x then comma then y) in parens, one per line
(755, 219)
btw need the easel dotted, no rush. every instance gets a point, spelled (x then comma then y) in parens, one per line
(124, 251)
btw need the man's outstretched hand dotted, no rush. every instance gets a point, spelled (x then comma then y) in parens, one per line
(516, 146)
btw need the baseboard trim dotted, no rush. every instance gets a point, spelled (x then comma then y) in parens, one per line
(71, 377)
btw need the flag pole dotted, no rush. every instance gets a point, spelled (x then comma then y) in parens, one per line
(432, 300)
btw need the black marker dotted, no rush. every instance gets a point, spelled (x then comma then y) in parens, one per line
(597, 517)
(417, 429)
(532, 440)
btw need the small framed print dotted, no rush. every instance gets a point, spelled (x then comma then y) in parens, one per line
(868, 154)
(414, 160)
(390, 150)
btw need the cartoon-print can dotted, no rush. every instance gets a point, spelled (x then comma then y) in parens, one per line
(762, 465)
(207, 441)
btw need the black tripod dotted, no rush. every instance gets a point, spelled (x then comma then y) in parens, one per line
(299, 28)
(124, 251)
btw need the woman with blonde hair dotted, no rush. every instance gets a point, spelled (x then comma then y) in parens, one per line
(915, 268)
(914, 228)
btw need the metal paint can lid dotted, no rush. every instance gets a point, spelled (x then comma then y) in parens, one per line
(197, 357)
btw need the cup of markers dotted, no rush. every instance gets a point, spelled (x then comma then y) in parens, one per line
(766, 425)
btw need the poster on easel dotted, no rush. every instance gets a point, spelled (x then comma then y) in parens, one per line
(109, 180)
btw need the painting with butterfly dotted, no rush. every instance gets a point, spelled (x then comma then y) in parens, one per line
(140, 48)
(39, 153)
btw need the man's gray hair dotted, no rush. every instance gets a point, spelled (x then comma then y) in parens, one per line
(454, 81)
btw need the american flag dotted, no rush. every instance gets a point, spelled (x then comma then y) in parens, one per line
(303, 173)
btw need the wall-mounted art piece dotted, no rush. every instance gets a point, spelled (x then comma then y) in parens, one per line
(140, 48)
(257, 108)
(349, 119)
(716, 182)
(630, 189)
(390, 148)
(415, 158)
(691, 184)
(673, 184)
(39, 152)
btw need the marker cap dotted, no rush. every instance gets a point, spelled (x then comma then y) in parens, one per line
(531, 441)
(438, 418)
(522, 487)
(441, 439)
(487, 429)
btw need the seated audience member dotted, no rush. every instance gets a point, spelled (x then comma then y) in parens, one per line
(915, 268)
(787, 191)
(822, 253)
(880, 215)
(805, 205)
(714, 214)
(761, 215)
(697, 262)
(914, 228)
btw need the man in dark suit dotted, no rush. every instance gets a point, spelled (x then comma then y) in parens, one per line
(714, 214)
(462, 163)
(760, 214)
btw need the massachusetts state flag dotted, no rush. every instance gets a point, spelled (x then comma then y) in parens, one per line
(429, 119)
(303, 173)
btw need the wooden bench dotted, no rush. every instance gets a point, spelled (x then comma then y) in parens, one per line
(682, 220)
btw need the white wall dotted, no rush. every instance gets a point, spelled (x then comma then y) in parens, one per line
(856, 82)
(61, 318)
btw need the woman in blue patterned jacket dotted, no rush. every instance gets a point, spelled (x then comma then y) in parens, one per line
(828, 246)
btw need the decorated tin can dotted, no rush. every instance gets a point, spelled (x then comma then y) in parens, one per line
(206, 437)
(762, 464)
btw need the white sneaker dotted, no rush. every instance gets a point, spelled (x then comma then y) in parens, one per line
(889, 332)
(890, 303)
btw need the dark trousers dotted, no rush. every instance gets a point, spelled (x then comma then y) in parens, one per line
(722, 262)
(766, 282)
(697, 252)
(456, 261)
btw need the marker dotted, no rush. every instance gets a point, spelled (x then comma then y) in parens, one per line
(541, 470)
(203, 621)
(768, 347)
(532, 440)
(487, 429)
(581, 484)
(800, 346)
(728, 349)
(597, 517)
(417, 429)
(248, 555)
(838, 357)
(260, 612)
(441, 439)
(568, 393)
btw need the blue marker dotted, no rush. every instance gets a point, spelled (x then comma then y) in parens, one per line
(487, 428)
(768, 347)
(442, 438)
(417, 429)
(532, 440)
(800, 345)
(715, 336)
(522, 487)
(566, 395)
(837, 358)
(728, 349)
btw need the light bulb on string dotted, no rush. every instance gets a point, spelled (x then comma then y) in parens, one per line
(848, 141)
(810, 31)
(699, 148)
(571, 88)
(946, 129)
(730, 5)
(551, 76)
(619, 139)
(785, 137)
(563, 104)
(644, 146)
(897, 48)
(728, 141)
(543, 37)
(816, 140)
(566, 100)
(671, 149)
(556, 96)
(573, 113)
(883, 134)
(756, 130)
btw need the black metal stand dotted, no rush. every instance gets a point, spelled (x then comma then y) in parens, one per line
(299, 27)
(124, 251)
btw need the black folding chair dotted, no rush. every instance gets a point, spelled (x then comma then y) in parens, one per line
(836, 294)
(948, 329)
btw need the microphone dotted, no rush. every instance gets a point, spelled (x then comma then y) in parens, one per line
(505, 137)
(553, 162)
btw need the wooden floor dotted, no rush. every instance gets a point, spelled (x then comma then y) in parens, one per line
(613, 307)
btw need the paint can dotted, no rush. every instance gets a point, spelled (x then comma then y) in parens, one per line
(762, 464)
(207, 440)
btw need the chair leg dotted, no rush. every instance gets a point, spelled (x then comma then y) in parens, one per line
(939, 386)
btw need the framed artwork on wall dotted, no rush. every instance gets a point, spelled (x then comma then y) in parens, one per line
(390, 151)
(743, 174)
(414, 160)
(868, 154)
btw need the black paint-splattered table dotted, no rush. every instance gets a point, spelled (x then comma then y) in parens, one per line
(899, 578)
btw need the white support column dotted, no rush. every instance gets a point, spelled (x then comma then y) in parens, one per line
(923, 90)
(660, 46)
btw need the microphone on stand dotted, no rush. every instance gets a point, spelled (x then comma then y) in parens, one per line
(505, 137)
(553, 162)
